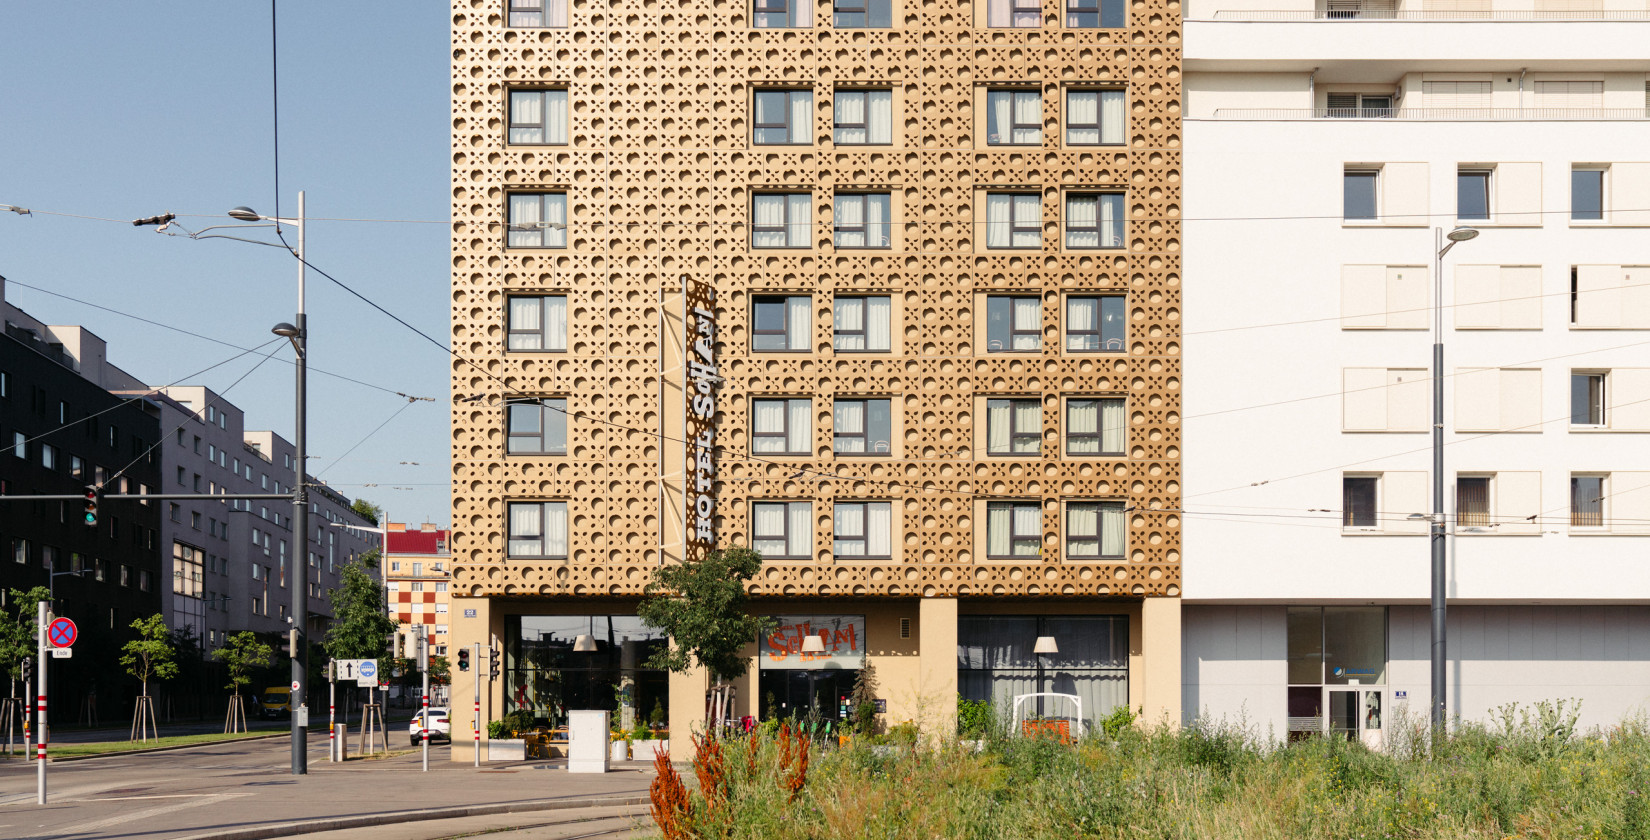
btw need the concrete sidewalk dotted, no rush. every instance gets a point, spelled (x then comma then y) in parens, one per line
(246, 790)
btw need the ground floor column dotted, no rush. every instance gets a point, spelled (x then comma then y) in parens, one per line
(937, 651)
(1160, 665)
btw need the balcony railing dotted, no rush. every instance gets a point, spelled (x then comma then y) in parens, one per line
(1435, 114)
(1388, 14)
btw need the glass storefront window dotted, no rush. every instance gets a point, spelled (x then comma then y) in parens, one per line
(1305, 645)
(1354, 645)
(995, 661)
(543, 674)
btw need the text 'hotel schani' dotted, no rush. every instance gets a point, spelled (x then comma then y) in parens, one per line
(923, 261)
(1326, 145)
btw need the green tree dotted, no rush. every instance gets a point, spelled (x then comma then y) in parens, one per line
(863, 700)
(360, 628)
(367, 510)
(17, 639)
(701, 605)
(240, 656)
(150, 656)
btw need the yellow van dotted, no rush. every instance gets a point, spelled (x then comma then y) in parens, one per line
(277, 701)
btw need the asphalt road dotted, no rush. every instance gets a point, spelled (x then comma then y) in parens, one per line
(244, 785)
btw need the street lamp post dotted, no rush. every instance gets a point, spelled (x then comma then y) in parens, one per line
(1439, 578)
(298, 334)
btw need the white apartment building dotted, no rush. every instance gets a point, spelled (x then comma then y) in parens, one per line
(1324, 144)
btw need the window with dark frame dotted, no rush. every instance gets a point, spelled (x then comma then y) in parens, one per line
(780, 322)
(782, 426)
(862, 427)
(536, 427)
(782, 220)
(1358, 500)
(1096, 323)
(862, 117)
(1095, 117)
(862, 14)
(1018, 14)
(1014, 426)
(781, 14)
(1095, 426)
(1586, 195)
(538, 117)
(782, 530)
(1095, 530)
(1013, 117)
(1094, 220)
(783, 117)
(537, 323)
(1586, 501)
(861, 324)
(537, 14)
(1013, 221)
(537, 220)
(1587, 398)
(862, 530)
(1356, 105)
(537, 530)
(860, 220)
(1094, 14)
(1472, 501)
(1013, 530)
(1472, 194)
(1358, 194)
(1013, 324)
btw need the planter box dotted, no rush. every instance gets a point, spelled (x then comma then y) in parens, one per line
(618, 750)
(507, 749)
(643, 750)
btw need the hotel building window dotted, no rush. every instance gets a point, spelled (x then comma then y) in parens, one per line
(782, 530)
(537, 530)
(861, 324)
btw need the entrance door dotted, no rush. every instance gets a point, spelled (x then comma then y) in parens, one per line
(789, 693)
(1355, 714)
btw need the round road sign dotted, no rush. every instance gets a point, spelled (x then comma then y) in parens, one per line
(368, 670)
(62, 633)
(294, 685)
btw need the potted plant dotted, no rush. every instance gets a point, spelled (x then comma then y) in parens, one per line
(501, 746)
(618, 745)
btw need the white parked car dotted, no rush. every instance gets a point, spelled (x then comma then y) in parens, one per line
(440, 728)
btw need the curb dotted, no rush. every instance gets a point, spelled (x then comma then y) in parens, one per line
(288, 829)
(118, 753)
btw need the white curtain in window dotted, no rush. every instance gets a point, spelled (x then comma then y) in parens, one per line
(800, 516)
(555, 13)
(850, 420)
(770, 219)
(556, 116)
(878, 314)
(555, 214)
(555, 529)
(1082, 109)
(879, 528)
(848, 315)
(997, 218)
(1111, 530)
(998, 13)
(850, 213)
(1081, 314)
(1028, 110)
(768, 528)
(1081, 218)
(879, 113)
(1028, 521)
(768, 418)
(1027, 415)
(527, 110)
(524, 216)
(801, 121)
(1028, 211)
(876, 221)
(524, 529)
(1113, 426)
(1111, 225)
(524, 315)
(1082, 419)
(555, 323)
(799, 437)
(1082, 520)
(996, 427)
(799, 220)
(1000, 104)
(1028, 315)
(998, 525)
(797, 322)
(848, 522)
(850, 112)
(1112, 120)
(802, 13)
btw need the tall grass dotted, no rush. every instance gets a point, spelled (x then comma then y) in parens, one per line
(1527, 775)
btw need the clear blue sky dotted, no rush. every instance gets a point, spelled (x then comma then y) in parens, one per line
(129, 109)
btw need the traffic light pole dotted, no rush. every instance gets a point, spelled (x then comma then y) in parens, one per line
(477, 718)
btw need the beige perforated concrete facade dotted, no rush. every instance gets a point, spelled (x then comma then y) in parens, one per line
(661, 170)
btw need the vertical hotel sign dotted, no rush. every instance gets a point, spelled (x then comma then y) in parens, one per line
(701, 417)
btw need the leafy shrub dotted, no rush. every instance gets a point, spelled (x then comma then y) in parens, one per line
(974, 718)
(1120, 718)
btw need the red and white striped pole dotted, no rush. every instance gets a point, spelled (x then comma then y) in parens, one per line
(40, 709)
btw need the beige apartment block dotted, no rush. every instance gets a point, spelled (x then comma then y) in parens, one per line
(887, 291)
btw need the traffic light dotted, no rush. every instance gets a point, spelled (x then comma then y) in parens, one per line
(492, 662)
(93, 494)
(292, 643)
(463, 659)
